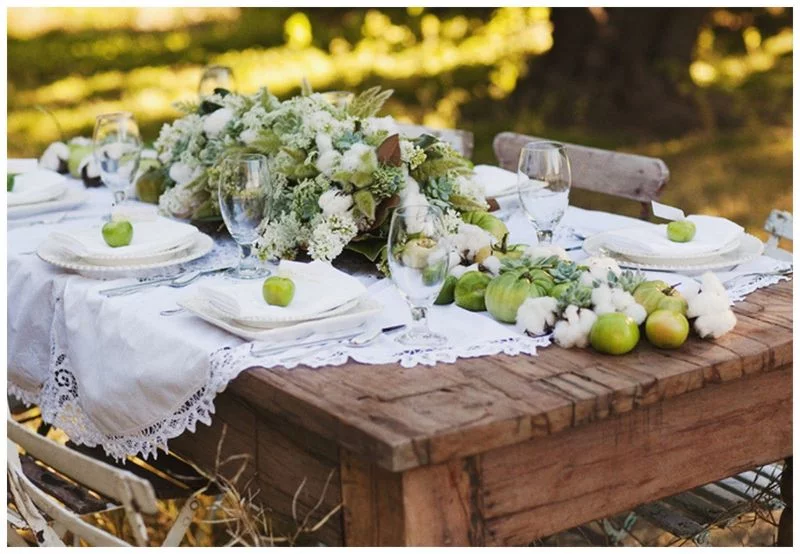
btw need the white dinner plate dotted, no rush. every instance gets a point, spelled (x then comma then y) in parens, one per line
(56, 256)
(72, 198)
(749, 248)
(274, 322)
(635, 256)
(359, 313)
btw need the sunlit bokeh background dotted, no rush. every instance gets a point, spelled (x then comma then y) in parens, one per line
(464, 68)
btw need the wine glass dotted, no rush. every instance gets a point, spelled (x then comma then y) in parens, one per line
(418, 257)
(214, 77)
(543, 180)
(243, 182)
(339, 99)
(117, 149)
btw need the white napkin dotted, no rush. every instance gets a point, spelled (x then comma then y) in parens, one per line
(712, 234)
(319, 287)
(495, 180)
(39, 185)
(149, 237)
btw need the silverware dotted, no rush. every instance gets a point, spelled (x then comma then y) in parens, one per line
(176, 282)
(174, 311)
(780, 272)
(329, 339)
(51, 220)
(362, 340)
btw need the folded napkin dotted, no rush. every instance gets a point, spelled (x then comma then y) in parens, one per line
(495, 180)
(22, 165)
(149, 237)
(713, 233)
(33, 187)
(319, 287)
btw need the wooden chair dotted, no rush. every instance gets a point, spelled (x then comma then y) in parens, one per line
(52, 486)
(631, 176)
(462, 141)
(779, 226)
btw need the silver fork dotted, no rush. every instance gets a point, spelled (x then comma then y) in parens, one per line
(177, 282)
(780, 272)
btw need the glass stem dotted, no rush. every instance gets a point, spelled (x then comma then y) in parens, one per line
(247, 261)
(419, 320)
(545, 237)
(119, 197)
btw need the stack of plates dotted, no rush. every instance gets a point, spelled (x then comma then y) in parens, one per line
(325, 300)
(718, 244)
(39, 191)
(156, 244)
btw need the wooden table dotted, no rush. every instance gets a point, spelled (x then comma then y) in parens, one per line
(503, 450)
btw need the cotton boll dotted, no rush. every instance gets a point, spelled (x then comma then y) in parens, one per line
(332, 202)
(460, 270)
(492, 265)
(181, 173)
(328, 162)
(601, 300)
(636, 313)
(712, 298)
(573, 331)
(714, 325)
(249, 136)
(360, 158)
(215, 122)
(470, 239)
(55, 157)
(599, 266)
(545, 251)
(535, 315)
(621, 299)
(454, 260)
(324, 143)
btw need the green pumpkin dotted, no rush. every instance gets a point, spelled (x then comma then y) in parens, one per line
(470, 291)
(506, 293)
(487, 222)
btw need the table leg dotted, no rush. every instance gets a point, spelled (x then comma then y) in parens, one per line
(785, 524)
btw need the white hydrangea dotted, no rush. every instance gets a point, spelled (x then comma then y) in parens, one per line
(330, 234)
(451, 221)
(279, 239)
(215, 122)
(182, 173)
(324, 143)
(182, 132)
(536, 315)
(470, 188)
(411, 154)
(328, 162)
(179, 202)
(248, 136)
(573, 330)
(374, 125)
(333, 202)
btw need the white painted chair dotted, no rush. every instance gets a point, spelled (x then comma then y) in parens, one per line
(50, 514)
(779, 226)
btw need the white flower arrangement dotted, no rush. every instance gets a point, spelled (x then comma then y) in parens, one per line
(335, 172)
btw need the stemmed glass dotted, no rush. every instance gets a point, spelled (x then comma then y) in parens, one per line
(117, 149)
(418, 255)
(243, 183)
(214, 77)
(543, 180)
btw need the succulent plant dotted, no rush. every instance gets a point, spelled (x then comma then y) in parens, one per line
(528, 264)
(627, 280)
(566, 272)
(575, 295)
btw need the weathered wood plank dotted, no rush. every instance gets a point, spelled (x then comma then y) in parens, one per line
(541, 487)
(630, 176)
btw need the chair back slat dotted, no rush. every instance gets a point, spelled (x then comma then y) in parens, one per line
(631, 176)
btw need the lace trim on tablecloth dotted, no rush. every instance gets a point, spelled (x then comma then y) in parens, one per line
(59, 397)
(740, 291)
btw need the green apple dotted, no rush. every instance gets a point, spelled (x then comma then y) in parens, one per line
(77, 153)
(681, 231)
(151, 184)
(666, 329)
(278, 291)
(448, 293)
(658, 295)
(614, 333)
(118, 233)
(470, 291)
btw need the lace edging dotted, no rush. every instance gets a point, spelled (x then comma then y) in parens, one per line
(25, 396)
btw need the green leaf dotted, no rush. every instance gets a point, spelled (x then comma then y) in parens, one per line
(465, 204)
(365, 203)
(389, 151)
(369, 102)
(10, 181)
(370, 248)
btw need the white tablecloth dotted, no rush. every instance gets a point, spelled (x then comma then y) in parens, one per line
(112, 371)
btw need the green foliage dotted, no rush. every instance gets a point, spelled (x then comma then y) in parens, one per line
(369, 102)
(575, 295)
(438, 190)
(627, 280)
(564, 272)
(305, 200)
(387, 181)
(441, 161)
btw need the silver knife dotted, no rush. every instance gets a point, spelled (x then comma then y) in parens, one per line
(341, 335)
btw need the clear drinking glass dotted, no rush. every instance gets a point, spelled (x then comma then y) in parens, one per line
(244, 202)
(339, 99)
(543, 180)
(216, 76)
(117, 149)
(418, 256)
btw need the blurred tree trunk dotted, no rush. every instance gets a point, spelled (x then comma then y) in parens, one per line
(617, 67)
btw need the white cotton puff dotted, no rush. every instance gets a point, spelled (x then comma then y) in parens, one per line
(181, 173)
(715, 325)
(621, 299)
(536, 315)
(333, 202)
(324, 143)
(599, 266)
(545, 251)
(215, 122)
(53, 155)
(601, 300)
(712, 298)
(492, 265)
(460, 270)
(453, 260)
(469, 239)
(249, 136)
(636, 313)
(328, 162)
(574, 329)
(359, 158)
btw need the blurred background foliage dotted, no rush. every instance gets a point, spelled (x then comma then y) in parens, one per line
(707, 90)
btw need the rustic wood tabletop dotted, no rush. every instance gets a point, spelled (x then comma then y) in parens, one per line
(503, 450)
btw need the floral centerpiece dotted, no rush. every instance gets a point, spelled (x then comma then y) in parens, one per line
(335, 172)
